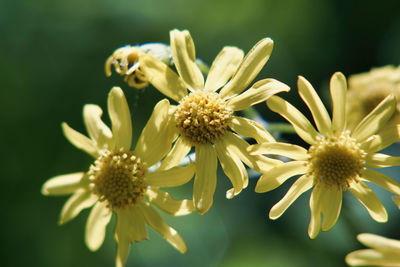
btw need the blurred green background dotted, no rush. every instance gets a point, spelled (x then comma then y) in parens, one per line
(52, 56)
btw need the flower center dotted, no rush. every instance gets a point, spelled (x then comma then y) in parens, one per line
(117, 177)
(335, 161)
(202, 117)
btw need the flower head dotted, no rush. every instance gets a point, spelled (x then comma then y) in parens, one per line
(367, 90)
(126, 62)
(337, 158)
(204, 116)
(383, 252)
(119, 180)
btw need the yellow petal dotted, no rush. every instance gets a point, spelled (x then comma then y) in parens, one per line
(62, 184)
(369, 200)
(233, 168)
(120, 118)
(170, 177)
(301, 125)
(82, 199)
(180, 149)
(97, 130)
(396, 200)
(130, 228)
(338, 88)
(183, 54)
(382, 180)
(205, 180)
(156, 138)
(375, 120)
(223, 67)
(157, 223)
(80, 141)
(249, 128)
(236, 145)
(369, 257)
(276, 176)
(379, 242)
(315, 206)
(249, 68)
(383, 139)
(378, 160)
(314, 103)
(96, 224)
(165, 202)
(162, 77)
(284, 149)
(299, 187)
(331, 204)
(259, 92)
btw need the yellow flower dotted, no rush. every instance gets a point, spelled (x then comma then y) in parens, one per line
(204, 118)
(367, 90)
(119, 180)
(126, 62)
(384, 252)
(336, 159)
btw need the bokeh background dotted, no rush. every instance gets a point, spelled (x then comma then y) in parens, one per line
(52, 56)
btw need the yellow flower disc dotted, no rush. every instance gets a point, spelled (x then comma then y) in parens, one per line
(202, 117)
(117, 177)
(335, 161)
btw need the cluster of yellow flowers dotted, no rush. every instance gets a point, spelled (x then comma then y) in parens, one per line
(126, 181)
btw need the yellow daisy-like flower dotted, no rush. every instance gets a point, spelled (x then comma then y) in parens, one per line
(204, 118)
(367, 90)
(383, 252)
(126, 62)
(119, 180)
(337, 158)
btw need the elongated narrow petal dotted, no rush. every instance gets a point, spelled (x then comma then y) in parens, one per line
(165, 202)
(249, 69)
(156, 138)
(249, 128)
(299, 187)
(79, 201)
(183, 53)
(62, 184)
(315, 206)
(382, 180)
(331, 204)
(338, 88)
(314, 103)
(370, 257)
(375, 120)
(205, 180)
(130, 228)
(236, 145)
(157, 223)
(96, 128)
(379, 160)
(120, 116)
(170, 177)
(233, 168)
(180, 149)
(284, 149)
(223, 67)
(379, 242)
(259, 92)
(276, 176)
(369, 200)
(383, 139)
(80, 141)
(99, 217)
(162, 77)
(301, 125)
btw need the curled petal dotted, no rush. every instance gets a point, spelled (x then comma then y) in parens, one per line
(164, 201)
